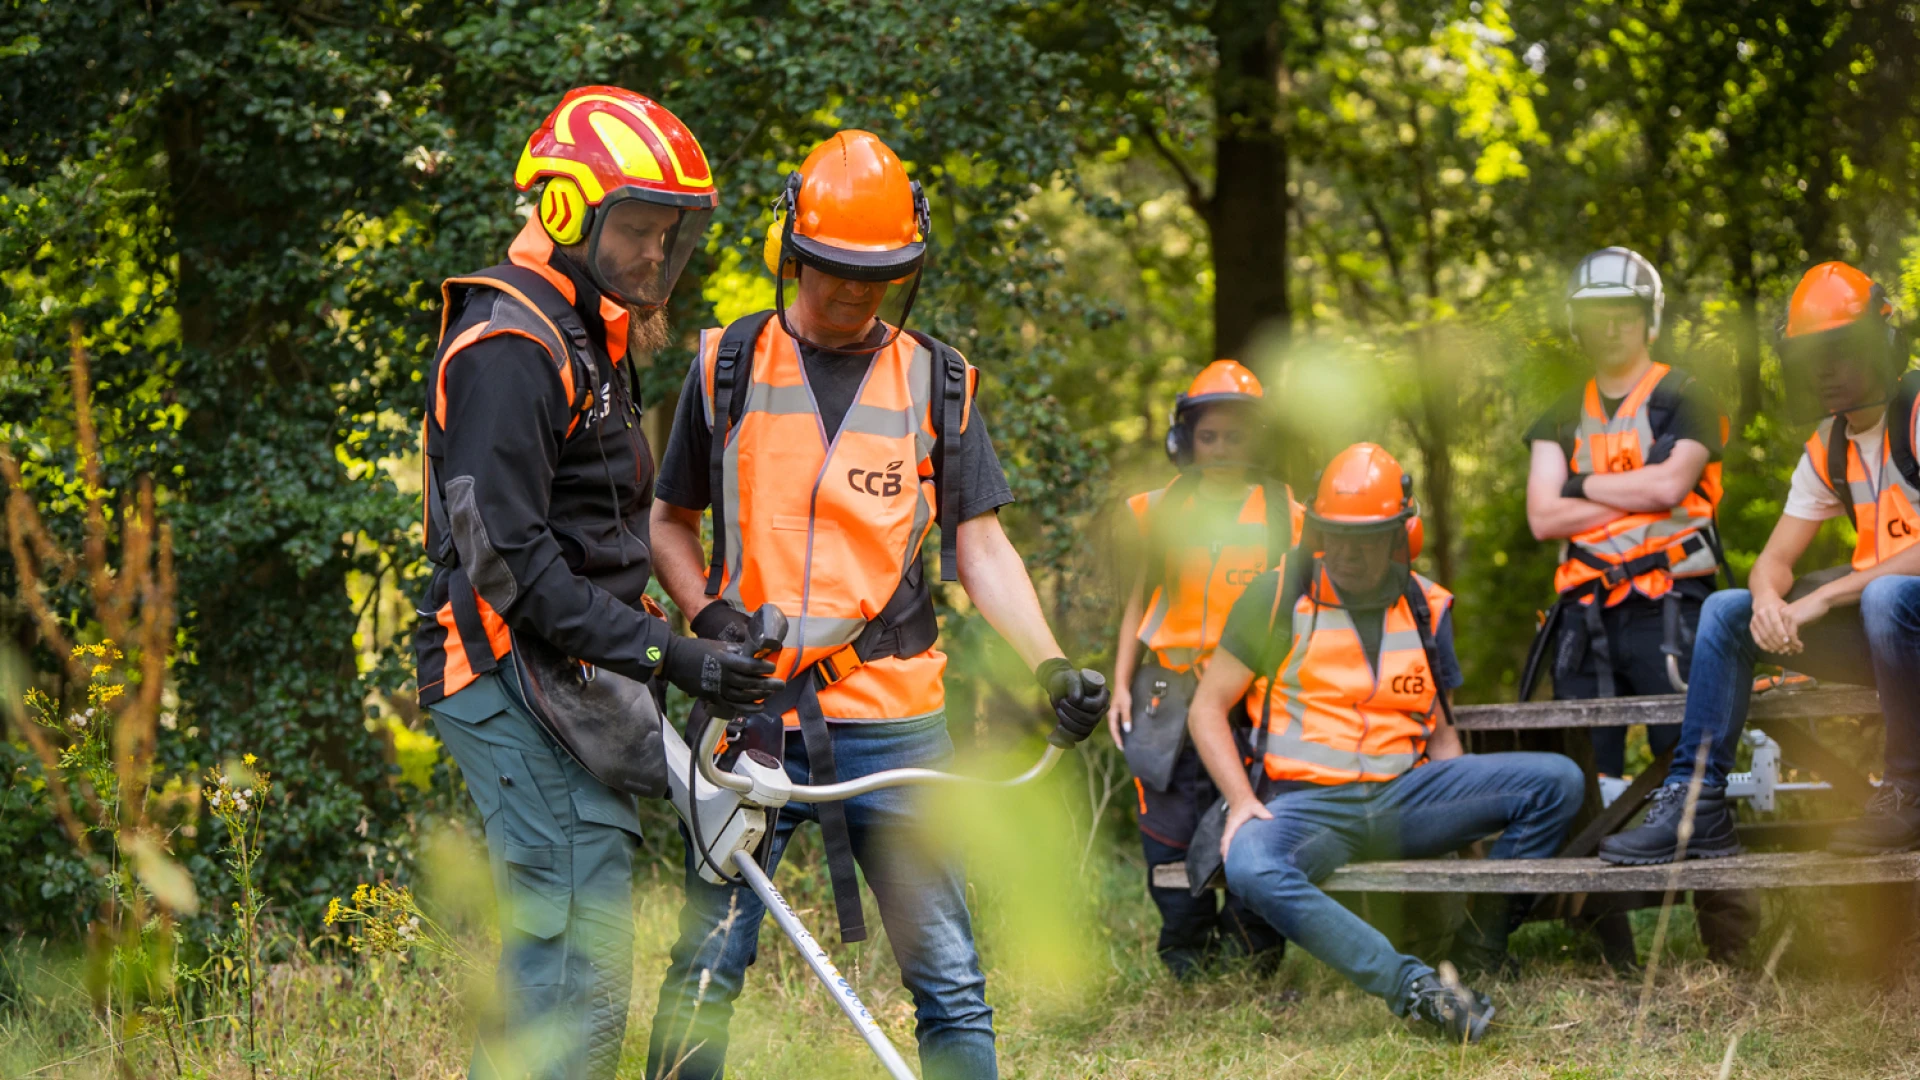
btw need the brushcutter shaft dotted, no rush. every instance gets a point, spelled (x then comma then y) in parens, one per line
(822, 965)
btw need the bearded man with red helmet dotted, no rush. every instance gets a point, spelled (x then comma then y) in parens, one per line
(1343, 656)
(538, 652)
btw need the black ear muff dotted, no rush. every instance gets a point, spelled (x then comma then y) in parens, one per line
(1179, 436)
(922, 212)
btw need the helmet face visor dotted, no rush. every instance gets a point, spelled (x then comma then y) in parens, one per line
(639, 248)
(1368, 562)
(1838, 370)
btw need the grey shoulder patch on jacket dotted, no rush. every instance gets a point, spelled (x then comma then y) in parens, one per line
(485, 568)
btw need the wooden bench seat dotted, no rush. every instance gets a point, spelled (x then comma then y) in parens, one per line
(1817, 704)
(1750, 871)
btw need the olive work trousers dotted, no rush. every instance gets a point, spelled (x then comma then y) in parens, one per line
(560, 844)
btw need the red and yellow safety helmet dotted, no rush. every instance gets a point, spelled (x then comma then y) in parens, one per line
(626, 178)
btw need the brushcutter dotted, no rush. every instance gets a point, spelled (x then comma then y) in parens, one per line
(728, 813)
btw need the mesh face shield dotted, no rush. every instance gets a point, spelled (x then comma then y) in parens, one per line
(1368, 562)
(639, 247)
(1837, 371)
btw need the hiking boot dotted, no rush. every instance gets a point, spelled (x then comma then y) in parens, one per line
(1658, 836)
(1890, 824)
(1460, 1014)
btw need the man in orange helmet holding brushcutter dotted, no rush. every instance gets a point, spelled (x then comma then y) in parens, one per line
(1858, 623)
(538, 654)
(1344, 658)
(1200, 539)
(827, 442)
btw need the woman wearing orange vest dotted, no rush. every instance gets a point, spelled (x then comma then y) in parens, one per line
(1854, 624)
(1344, 658)
(1202, 538)
(828, 443)
(1626, 475)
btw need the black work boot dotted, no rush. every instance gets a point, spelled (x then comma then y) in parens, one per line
(1460, 1014)
(1657, 837)
(1890, 824)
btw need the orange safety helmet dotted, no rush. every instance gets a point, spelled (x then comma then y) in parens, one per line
(852, 212)
(1839, 349)
(1363, 489)
(1831, 296)
(621, 169)
(1219, 383)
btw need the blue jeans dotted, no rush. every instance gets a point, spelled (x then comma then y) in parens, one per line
(922, 900)
(1274, 865)
(1876, 644)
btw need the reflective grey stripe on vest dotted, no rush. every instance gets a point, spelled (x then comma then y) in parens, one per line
(1296, 748)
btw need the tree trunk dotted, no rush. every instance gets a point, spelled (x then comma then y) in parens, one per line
(1247, 215)
(1746, 329)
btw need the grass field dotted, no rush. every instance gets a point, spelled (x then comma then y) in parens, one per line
(1082, 996)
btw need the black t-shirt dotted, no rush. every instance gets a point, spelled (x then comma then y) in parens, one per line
(1691, 413)
(835, 379)
(1246, 637)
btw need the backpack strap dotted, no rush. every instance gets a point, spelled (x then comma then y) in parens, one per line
(1423, 622)
(950, 401)
(732, 367)
(1837, 462)
(1900, 420)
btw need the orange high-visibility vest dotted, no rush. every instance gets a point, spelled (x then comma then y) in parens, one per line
(1202, 575)
(1331, 717)
(1684, 535)
(1883, 502)
(826, 531)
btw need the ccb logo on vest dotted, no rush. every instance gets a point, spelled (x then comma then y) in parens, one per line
(881, 484)
(1415, 683)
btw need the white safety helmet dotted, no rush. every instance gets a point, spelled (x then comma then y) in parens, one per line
(1617, 273)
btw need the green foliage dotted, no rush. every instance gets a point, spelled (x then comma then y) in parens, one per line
(248, 206)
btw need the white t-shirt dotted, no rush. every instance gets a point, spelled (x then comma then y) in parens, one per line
(1810, 499)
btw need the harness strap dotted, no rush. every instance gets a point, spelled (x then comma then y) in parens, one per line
(949, 416)
(1900, 429)
(803, 696)
(1837, 464)
(1598, 641)
(736, 345)
(1615, 574)
(907, 626)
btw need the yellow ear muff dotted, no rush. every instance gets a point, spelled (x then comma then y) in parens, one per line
(563, 210)
(770, 252)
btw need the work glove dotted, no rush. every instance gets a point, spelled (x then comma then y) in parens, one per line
(719, 673)
(1080, 699)
(720, 621)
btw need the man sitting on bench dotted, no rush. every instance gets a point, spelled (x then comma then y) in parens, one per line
(1858, 624)
(1353, 752)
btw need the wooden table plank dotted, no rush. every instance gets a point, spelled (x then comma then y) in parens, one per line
(1822, 703)
(1750, 871)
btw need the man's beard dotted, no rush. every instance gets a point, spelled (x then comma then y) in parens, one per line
(646, 330)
